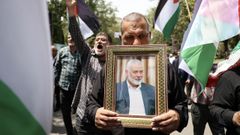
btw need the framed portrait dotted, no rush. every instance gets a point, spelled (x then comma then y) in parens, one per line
(136, 83)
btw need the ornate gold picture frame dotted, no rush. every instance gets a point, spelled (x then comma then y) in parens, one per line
(153, 74)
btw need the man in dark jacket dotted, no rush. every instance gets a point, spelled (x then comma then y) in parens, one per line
(226, 101)
(135, 31)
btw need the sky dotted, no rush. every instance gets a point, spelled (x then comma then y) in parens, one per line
(126, 6)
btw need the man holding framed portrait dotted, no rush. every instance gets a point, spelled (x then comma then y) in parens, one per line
(135, 31)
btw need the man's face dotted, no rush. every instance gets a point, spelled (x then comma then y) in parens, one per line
(100, 44)
(135, 32)
(54, 51)
(135, 74)
(70, 42)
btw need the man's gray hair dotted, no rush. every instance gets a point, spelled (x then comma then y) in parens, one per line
(134, 16)
(131, 62)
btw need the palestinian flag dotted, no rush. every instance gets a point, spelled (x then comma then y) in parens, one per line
(210, 25)
(88, 21)
(230, 63)
(166, 16)
(26, 78)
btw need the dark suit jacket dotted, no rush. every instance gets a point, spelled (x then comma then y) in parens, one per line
(123, 101)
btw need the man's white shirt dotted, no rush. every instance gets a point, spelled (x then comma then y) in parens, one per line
(136, 101)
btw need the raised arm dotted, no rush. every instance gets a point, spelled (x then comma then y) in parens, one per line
(82, 47)
(74, 30)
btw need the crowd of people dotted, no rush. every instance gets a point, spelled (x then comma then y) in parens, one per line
(80, 77)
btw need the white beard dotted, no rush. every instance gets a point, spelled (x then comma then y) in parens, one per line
(134, 81)
(99, 53)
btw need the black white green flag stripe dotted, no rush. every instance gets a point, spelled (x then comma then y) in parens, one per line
(166, 16)
(26, 78)
(88, 21)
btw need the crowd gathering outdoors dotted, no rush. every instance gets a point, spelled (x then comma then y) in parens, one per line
(79, 82)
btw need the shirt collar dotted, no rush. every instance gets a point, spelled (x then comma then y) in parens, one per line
(129, 86)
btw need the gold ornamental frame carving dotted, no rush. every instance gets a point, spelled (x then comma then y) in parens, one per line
(159, 53)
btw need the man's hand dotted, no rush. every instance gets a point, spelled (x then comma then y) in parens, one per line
(236, 118)
(187, 81)
(105, 119)
(71, 6)
(166, 122)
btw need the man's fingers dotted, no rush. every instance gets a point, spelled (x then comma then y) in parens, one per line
(107, 122)
(106, 119)
(71, 3)
(166, 122)
(236, 118)
(165, 129)
(108, 113)
(171, 114)
(100, 124)
(163, 123)
(161, 117)
(74, 2)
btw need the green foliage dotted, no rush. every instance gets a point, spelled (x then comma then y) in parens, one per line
(59, 24)
(57, 12)
(106, 15)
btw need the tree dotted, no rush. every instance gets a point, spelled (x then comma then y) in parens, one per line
(106, 15)
(58, 18)
(57, 13)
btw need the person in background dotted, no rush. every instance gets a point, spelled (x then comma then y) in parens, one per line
(172, 57)
(182, 75)
(54, 51)
(200, 111)
(189, 86)
(67, 70)
(92, 62)
(56, 98)
(225, 107)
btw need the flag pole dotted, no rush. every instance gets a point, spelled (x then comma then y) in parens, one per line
(188, 10)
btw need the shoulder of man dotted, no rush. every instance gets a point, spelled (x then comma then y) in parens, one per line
(149, 86)
(231, 75)
(121, 84)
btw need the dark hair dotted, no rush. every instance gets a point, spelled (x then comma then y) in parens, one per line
(134, 16)
(106, 35)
